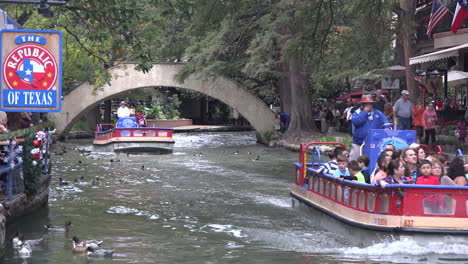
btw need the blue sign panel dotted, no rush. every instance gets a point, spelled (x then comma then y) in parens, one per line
(29, 98)
(31, 70)
(377, 139)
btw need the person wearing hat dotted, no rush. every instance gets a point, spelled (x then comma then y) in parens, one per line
(123, 110)
(364, 119)
(402, 110)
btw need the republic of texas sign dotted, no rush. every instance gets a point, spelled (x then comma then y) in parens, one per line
(31, 70)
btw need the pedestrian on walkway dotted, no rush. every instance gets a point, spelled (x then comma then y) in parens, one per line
(379, 101)
(364, 119)
(284, 118)
(402, 111)
(429, 119)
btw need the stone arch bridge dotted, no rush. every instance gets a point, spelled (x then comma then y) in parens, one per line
(84, 98)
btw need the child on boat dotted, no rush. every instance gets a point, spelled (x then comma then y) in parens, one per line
(363, 162)
(342, 167)
(355, 171)
(331, 166)
(425, 170)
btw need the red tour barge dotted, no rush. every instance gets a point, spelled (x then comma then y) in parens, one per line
(127, 136)
(368, 213)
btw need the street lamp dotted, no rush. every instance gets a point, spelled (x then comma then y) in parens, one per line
(43, 6)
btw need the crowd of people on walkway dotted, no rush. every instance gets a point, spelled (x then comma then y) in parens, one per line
(412, 165)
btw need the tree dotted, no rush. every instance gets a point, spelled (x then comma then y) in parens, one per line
(294, 48)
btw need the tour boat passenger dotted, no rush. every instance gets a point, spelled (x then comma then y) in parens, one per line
(421, 154)
(331, 166)
(342, 167)
(438, 169)
(382, 168)
(390, 147)
(411, 160)
(363, 162)
(355, 171)
(396, 175)
(456, 173)
(425, 170)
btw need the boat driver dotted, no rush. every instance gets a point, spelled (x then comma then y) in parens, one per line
(123, 110)
(364, 119)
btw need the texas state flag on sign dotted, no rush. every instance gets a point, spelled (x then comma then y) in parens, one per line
(461, 13)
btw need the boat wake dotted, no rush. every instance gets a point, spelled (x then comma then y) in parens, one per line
(411, 251)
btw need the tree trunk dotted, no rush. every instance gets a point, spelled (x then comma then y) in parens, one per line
(284, 89)
(407, 16)
(301, 107)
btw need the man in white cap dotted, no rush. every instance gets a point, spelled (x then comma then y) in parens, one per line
(123, 110)
(402, 111)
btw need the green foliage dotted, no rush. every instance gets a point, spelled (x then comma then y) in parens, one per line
(327, 138)
(267, 136)
(155, 112)
(171, 110)
(31, 173)
(348, 142)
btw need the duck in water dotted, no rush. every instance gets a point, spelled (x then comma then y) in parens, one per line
(54, 228)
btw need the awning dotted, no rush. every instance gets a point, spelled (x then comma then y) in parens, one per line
(456, 76)
(438, 55)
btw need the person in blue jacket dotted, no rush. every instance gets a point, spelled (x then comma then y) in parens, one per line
(284, 118)
(364, 119)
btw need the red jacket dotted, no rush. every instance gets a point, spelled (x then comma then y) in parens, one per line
(428, 180)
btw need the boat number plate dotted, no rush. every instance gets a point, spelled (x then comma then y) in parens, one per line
(408, 223)
(380, 221)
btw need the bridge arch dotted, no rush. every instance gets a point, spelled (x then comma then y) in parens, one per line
(84, 98)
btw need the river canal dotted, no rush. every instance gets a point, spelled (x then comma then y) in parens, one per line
(219, 198)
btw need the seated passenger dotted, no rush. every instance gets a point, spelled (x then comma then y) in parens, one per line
(363, 162)
(355, 171)
(455, 173)
(382, 168)
(421, 154)
(425, 170)
(331, 166)
(342, 167)
(411, 160)
(390, 147)
(438, 169)
(396, 175)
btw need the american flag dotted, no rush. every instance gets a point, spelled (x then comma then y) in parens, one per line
(439, 11)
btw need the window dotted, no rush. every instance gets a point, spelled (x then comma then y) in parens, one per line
(138, 133)
(383, 200)
(362, 200)
(354, 198)
(327, 188)
(333, 191)
(339, 193)
(371, 202)
(439, 204)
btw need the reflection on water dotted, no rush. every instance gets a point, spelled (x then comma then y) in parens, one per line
(219, 198)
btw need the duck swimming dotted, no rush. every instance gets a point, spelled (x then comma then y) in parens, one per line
(62, 182)
(18, 241)
(82, 246)
(24, 250)
(53, 228)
